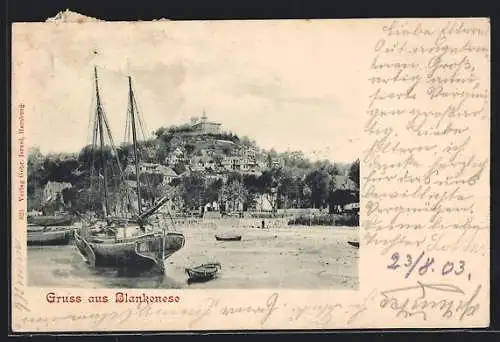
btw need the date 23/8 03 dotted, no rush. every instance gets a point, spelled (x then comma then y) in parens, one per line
(424, 264)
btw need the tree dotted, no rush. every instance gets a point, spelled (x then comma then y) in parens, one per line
(191, 190)
(35, 198)
(269, 160)
(151, 188)
(354, 172)
(124, 154)
(60, 168)
(161, 154)
(306, 193)
(89, 158)
(175, 142)
(286, 185)
(296, 191)
(212, 190)
(319, 182)
(247, 142)
(269, 184)
(233, 193)
(189, 147)
(251, 183)
(37, 178)
(160, 132)
(226, 149)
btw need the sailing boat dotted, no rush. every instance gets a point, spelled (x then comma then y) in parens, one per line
(119, 242)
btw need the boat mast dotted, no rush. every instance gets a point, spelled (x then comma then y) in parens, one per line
(101, 138)
(134, 137)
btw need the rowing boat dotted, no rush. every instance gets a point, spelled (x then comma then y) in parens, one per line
(228, 237)
(203, 272)
(354, 243)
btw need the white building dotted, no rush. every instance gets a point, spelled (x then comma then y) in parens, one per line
(168, 174)
(175, 156)
(203, 126)
(262, 203)
(53, 189)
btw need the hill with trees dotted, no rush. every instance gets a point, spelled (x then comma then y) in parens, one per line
(204, 174)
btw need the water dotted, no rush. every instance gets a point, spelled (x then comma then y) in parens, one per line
(62, 266)
(283, 257)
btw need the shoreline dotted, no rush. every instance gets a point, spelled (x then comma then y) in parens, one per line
(294, 257)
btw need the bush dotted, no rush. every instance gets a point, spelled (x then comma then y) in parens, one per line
(350, 220)
(267, 215)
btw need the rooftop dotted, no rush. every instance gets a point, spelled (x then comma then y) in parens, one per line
(343, 182)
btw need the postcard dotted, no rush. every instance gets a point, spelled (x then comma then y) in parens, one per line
(250, 175)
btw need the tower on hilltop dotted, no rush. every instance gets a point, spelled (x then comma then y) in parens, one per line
(204, 126)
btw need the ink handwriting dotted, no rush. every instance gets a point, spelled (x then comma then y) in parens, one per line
(446, 300)
(427, 109)
(416, 301)
(422, 264)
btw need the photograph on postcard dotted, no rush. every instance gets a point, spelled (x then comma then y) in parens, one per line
(224, 175)
(181, 169)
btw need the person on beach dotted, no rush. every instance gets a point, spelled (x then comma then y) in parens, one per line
(263, 224)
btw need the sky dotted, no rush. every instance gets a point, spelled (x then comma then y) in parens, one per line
(289, 85)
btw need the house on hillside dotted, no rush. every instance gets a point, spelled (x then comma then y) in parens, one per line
(53, 191)
(211, 206)
(175, 156)
(249, 164)
(149, 152)
(343, 182)
(204, 126)
(231, 163)
(152, 168)
(248, 160)
(197, 167)
(169, 175)
(249, 152)
(185, 174)
(212, 176)
(261, 164)
(252, 172)
(345, 197)
(277, 162)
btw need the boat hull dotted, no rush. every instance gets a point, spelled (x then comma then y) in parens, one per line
(200, 277)
(228, 238)
(202, 273)
(142, 254)
(49, 238)
(66, 220)
(353, 243)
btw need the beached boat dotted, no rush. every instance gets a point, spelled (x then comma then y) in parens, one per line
(203, 272)
(43, 235)
(140, 252)
(228, 237)
(124, 243)
(354, 243)
(55, 220)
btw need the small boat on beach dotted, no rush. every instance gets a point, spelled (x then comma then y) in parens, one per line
(48, 235)
(203, 272)
(228, 237)
(354, 243)
(55, 220)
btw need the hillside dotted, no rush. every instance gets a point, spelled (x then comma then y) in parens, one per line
(196, 166)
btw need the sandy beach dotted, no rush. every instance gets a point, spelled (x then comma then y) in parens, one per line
(276, 257)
